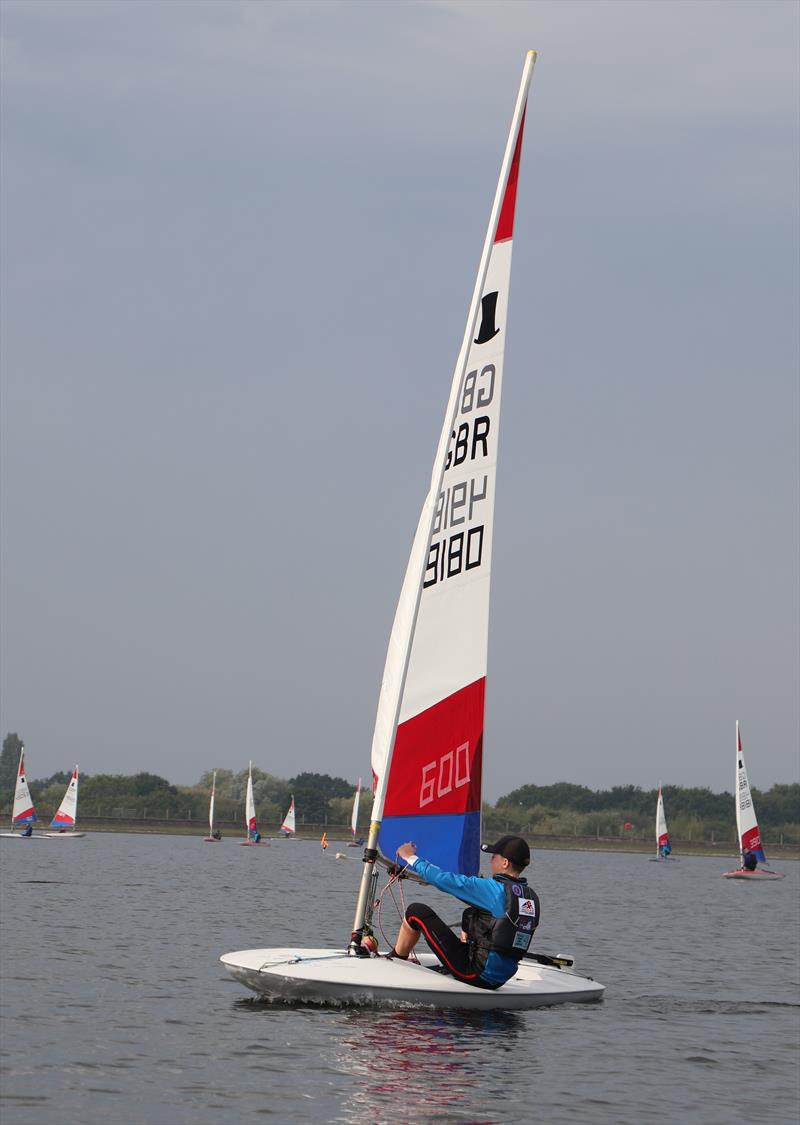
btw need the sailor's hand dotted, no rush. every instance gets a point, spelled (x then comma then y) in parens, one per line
(405, 851)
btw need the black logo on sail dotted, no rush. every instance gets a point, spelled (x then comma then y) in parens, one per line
(488, 313)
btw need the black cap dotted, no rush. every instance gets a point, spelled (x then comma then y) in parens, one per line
(512, 848)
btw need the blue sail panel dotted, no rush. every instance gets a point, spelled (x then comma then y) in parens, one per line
(451, 841)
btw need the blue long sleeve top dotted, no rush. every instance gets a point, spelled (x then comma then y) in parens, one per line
(486, 894)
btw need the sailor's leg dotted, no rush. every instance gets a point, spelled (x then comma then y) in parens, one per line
(451, 952)
(406, 940)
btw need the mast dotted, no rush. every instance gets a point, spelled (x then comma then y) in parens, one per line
(405, 623)
(736, 789)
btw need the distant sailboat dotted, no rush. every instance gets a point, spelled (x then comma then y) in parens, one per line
(214, 835)
(355, 843)
(23, 811)
(253, 835)
(287, 828)
(663, 846)
(67, 813)
(751, 847)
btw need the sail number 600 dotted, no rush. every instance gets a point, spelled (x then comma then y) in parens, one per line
(451, 771)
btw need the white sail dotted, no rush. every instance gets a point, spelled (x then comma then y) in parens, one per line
(211, 803)
(23, 811)
(428, 740)
(288, 826)
(67, 812)
(662, 836)
(354, 814)
(746, 823)
(250, 804)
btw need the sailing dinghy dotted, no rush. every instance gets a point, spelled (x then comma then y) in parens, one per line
(288, 827)
(747, 828)
(253, 838)
(66, 814)
(212, 838)
(428, 740)
(663, 846)
(23, 812)
(355, 843)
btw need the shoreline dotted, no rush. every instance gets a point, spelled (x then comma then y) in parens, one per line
(340, 835)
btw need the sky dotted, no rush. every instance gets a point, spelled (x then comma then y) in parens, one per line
(239, 241)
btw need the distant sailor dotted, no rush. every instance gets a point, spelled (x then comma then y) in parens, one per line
(749, 861)
(28, 830)
(497, 927)
(664, 850)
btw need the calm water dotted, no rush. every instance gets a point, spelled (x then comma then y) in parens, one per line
(116, 1010)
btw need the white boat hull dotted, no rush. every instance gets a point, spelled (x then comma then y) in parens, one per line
(329, 976)
(753, 876)
(63, 835)
(21, 836)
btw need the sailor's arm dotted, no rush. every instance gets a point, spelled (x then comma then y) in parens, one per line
(469, 888)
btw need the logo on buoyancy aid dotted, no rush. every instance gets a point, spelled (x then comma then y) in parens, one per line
(526, 907)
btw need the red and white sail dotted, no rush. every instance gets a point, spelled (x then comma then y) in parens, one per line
(427, 747)
(211, 802)
(23, 811)
(354, 814)
(67, 812)
(250, 805)
(288, 826)
(662, 836)
(746, 823)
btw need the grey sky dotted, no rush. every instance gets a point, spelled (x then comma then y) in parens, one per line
(239, 240)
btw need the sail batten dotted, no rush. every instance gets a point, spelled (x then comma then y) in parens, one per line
(428, 742)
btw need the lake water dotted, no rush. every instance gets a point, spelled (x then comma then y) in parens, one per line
(116, 1010)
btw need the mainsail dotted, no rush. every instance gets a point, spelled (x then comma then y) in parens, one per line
(23, 811)
(662, 836)
(250, 805)
(746, 823)
(288, 826)
(427, 747)
(211, 803)
(68, 809)
(354, 814)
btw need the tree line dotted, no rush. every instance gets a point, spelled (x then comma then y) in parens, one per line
(319, 798)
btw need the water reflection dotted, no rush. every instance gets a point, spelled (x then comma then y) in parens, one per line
(420, 1066)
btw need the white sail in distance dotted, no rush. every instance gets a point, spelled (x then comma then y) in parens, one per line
(354, 814)
(67, 812)
(23, 811)
(288, 825)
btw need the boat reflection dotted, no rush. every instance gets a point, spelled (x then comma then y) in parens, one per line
(418, 1066)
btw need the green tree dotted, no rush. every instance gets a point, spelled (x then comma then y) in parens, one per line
(9, 761)
(312, 791)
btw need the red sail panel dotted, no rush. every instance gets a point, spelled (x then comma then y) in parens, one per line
(505, 224)
(436, 765)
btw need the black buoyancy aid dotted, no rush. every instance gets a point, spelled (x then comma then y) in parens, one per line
(509, 935)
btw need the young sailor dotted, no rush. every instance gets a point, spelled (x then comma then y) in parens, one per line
(497, 927)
